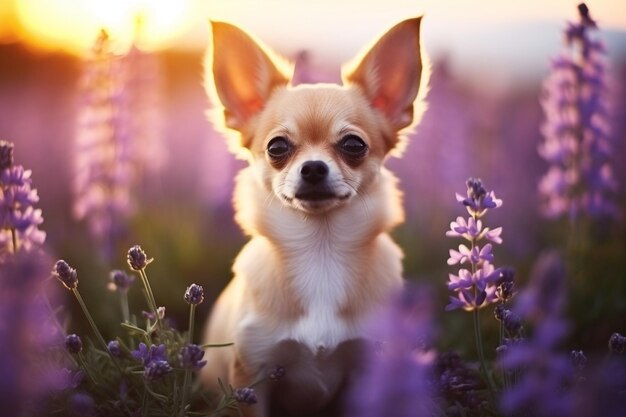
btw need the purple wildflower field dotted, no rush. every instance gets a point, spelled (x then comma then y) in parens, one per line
(115, 208)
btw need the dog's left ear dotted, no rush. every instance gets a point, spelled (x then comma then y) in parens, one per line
(390, 73)
(242, 74)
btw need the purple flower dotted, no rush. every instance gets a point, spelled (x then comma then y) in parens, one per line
(66, 274)
(478, 200)
(137, 258)
(19, 220)
(156, 369)
(277, 373)
(191, 357)
(120, 281)
(475, 286)
(245, 396)
(114, 347)
(152, 354)
(150, 315)
(617, 343)
(82, 404)
(577, 143)
(194, 294)
(116, 141)
(73, 344)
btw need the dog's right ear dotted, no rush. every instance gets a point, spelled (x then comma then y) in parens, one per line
(241, 75)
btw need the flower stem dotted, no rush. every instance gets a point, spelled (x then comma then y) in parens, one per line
(150, 296)
(187, 380)
(83, 364)
(481, 356)
(125, 309)
(92, 323)
(14, 239)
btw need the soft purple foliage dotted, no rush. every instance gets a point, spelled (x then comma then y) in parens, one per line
(577, 141)
(27, 330)
(398, 381)
(542, 370)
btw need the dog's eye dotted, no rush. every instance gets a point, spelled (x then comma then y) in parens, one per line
(353, 146)
(278, 147)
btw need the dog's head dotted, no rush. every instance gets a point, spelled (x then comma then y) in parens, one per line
(316, 147)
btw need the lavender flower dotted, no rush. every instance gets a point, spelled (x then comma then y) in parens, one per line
(157, 369)
(245, 396)
(137, 258)
(66, 274)
(476, 287)
(277, 373)
(577, 142)
(617, 343)
(191, 357)
(194, 294)
(116, 140)
(152, 354)
(19, 220)
(120, 281)
(73, 344)
(82, 404)
(114, 347)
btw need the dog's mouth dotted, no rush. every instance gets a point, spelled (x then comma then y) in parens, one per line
(318, 195)
(315, 199)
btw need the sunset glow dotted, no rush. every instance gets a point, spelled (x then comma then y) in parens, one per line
(72, 25)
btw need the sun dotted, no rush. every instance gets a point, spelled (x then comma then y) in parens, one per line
(73, 25)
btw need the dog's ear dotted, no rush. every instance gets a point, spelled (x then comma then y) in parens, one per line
(241, 74)
(390, 73)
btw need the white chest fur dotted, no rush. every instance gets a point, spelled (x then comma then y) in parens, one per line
(323, 277)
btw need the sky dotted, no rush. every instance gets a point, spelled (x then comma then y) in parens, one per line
(497, 34)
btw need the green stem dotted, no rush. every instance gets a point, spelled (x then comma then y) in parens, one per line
(187, 380)
(125, 310)
(83, 364)
(481, 356)
(92, 323)
(150, 296)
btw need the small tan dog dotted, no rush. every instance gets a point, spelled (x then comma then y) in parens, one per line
(317, 203)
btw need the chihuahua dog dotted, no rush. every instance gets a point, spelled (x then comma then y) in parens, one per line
(318, 204)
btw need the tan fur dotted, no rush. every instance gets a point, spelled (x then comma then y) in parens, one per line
(316, 269)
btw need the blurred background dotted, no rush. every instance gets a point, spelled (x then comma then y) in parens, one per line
(483, 120)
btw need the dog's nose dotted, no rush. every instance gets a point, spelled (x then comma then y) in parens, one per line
(314, 171)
